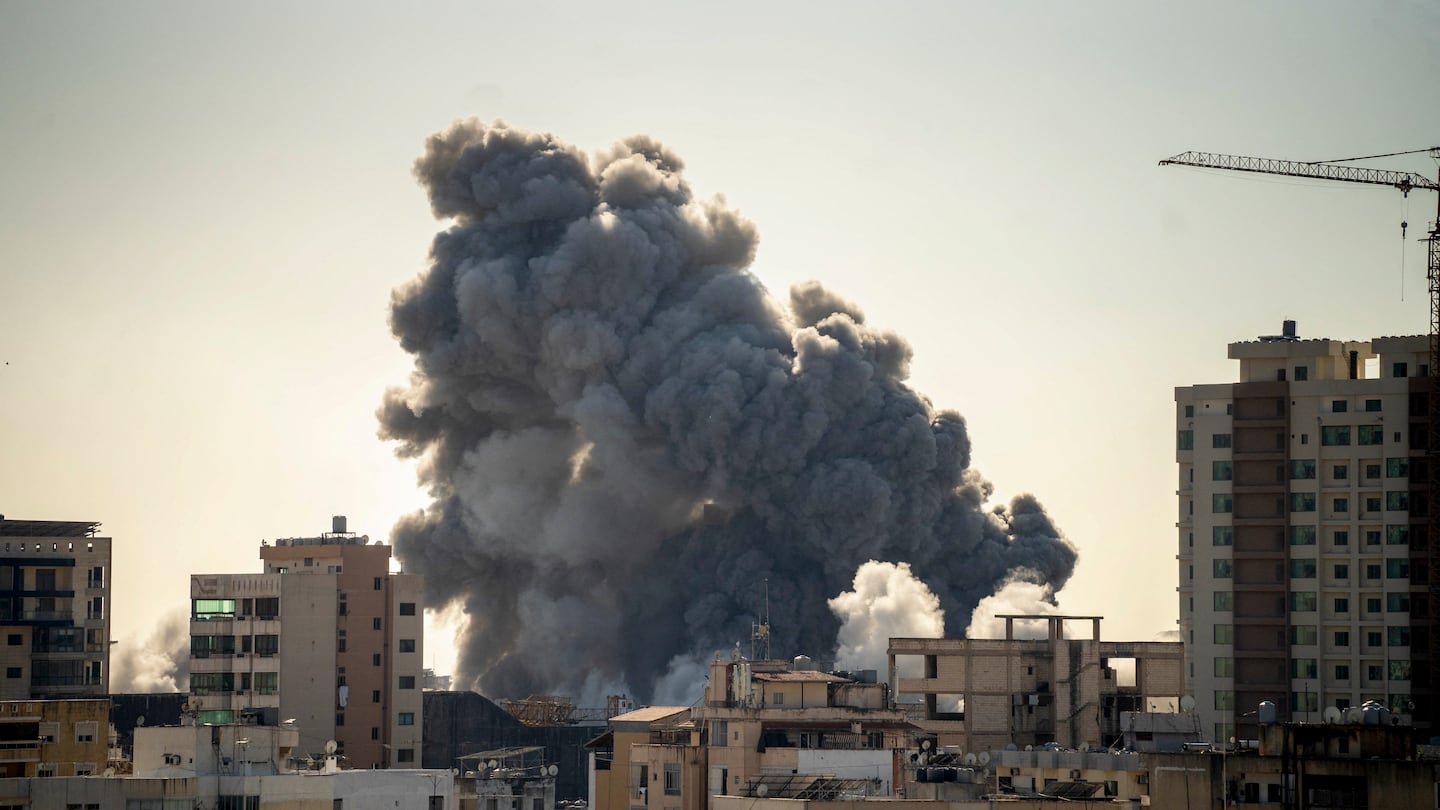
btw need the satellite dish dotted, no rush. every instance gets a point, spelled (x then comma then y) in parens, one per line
(109, 772)
(330, 746)
(140, 721)
(1029, 748)
(984, 757)
(969, 759)
(553, 770)
(1011, 747)
(1187, 703)
(454, 771)
(927, 744)
(1332, 714)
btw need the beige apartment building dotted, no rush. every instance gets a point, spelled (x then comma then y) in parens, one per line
(1302, 536)
(326, 636)
(54, 609)
(44, 738)
(986, 694)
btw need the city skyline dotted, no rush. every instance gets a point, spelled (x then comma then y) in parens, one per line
(214, 207)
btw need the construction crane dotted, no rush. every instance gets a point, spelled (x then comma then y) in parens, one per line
(1406, 182)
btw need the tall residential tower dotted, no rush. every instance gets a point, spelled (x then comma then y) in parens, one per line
(326, 636)
(1303, 569)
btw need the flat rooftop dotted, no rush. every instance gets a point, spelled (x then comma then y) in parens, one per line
(48, 528)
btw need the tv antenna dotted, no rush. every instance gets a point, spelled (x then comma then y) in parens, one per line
(760, 631)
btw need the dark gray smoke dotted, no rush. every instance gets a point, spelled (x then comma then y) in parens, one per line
(625, 436)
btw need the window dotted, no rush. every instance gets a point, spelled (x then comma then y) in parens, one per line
(1303, 668)
(1372, 570)
(407, 645)
(1224, 699)
(1220, 440)
(1304, 438)
(1189, 411)
(407, 681)
(1396, 468)
(1372, 537)
(1302, 568)
(267, 645)
(1340, 505)
(1342, 571)
(15, 639)
(375, 623)
(1221, 471)
(1335, 435)
(375, 659)
(374, 732)
(1397, 501)
(374, 695)
(1399, 636)
(12, 672)
(1372, 504)
(1302, 601)
(1341, 472)
(1372, 470)
(1301, 469)
(1302, 535)
(778, 699)
(1220, 504)
(1397, 569)
(405, 755)
(719, 733)
(1302, 502)
(1342, 604)
(1223, 633)
(1342, 638)
(1185, 440)
(1224, 600)
(1342, 538)
(1302, 373)
(1374, 672)
(1372, 605)
(208, 609)
(1305, 701)
(1372, 405)
(405, 719)
(1371, 434)
(267, 607)
(407, 608)
(1221, 569)
(672, 779)
(1397, 535)
(1222, 535)
(1342, 672)
(1338, 406)
(1400, 370)
(1224, 667)
(85, 731)
(1399, 670)
(339, 719)
(340, 645)
(1397, 603)
(379, 583)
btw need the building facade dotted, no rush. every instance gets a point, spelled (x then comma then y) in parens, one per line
(54, 610)
(1302, 538)
(43, 738)
(326, 636)
(986, 694)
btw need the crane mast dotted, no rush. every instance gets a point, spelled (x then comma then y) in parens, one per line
(1405, 182)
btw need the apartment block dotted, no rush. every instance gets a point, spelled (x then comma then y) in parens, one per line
(986, 694)
(1303, 569)
(44, 738)
(326, 636)
(54, 609)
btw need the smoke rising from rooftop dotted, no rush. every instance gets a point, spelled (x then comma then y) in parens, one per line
(624, 435)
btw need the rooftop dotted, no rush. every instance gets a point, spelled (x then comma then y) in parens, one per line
(48, 528)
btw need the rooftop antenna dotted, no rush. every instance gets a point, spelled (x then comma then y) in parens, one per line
(760, 632)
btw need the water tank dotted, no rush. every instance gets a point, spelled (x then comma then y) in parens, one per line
(1354, 715)
(802, 664)
(337, 524)
(1375, 714)
(1287, 329)
(1266, 712)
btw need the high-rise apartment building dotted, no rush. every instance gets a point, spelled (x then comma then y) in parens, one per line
(326, 636)
(1303, 564)
(54, 610)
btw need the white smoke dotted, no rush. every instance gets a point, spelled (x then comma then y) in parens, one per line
(160, 663)
(683, 683)
(1015, 598)
(886, 601)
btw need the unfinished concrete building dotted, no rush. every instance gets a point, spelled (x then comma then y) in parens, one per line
(985, 694)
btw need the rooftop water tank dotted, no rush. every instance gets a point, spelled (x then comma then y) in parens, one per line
(1266, 712)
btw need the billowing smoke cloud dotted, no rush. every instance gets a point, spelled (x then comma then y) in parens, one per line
(1014, 598)
(886, 601)
(160, 663)
(625, 436)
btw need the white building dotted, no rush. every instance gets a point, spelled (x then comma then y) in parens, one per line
(1301, 534)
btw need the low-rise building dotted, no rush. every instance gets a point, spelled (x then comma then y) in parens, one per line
(49, 738)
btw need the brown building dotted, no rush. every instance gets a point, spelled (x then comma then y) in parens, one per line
(985, 694)
(53, 737)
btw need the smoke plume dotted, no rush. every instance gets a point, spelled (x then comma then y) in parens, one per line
(1015, 597)
(886, 602)
(625, 436)
(160, 663)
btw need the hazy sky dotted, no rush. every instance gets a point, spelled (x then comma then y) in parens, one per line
(204, 207)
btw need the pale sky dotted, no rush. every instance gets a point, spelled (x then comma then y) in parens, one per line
(204, 207)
